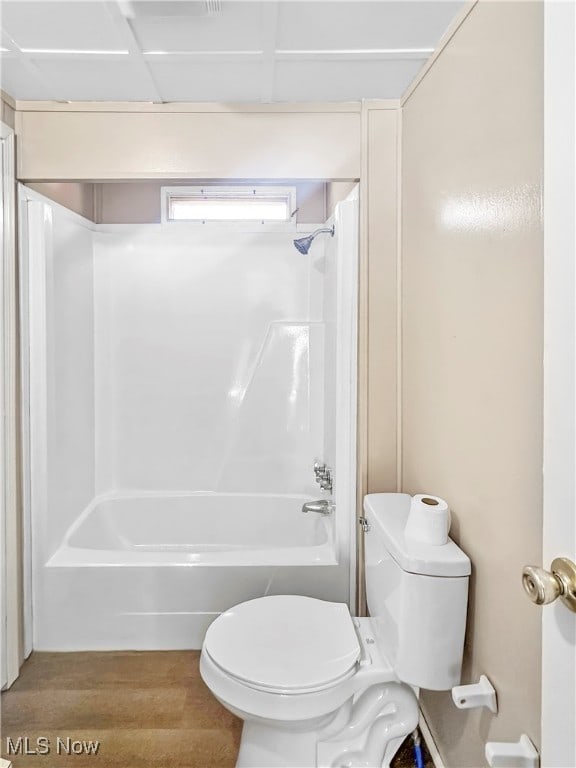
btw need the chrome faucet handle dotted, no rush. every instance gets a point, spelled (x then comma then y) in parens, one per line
(326, 482)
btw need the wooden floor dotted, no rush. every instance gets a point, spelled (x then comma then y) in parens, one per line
(145, 709)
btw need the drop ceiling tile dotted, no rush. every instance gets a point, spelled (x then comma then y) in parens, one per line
(237, 27)
(61, 25)
(343, 80)
(363, 25)
(96, 80)
(218, 81)
(240, 26)
(19, 82)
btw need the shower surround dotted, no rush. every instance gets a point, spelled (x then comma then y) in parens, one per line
(182, 381)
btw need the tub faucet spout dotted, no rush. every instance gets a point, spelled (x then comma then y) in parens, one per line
(322, 506)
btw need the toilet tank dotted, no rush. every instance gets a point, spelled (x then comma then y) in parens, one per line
(417, 596)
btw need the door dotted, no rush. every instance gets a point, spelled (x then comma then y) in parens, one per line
(9, 543)
(559, 530)
(3, 568)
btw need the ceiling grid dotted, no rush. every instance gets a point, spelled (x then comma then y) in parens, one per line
(212, 51)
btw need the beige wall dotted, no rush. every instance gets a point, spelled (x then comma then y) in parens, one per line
(380, 275)
(336, 191)
(75, 196)
(139, 202)
(472, 261)
(7, 114)
(377, 314)
(271, 143)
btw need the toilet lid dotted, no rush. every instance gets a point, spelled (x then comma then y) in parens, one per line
(285, 642)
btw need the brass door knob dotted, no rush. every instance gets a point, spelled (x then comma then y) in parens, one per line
(543, 587)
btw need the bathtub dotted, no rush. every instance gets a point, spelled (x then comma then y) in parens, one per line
(197, 528)
(146, 571)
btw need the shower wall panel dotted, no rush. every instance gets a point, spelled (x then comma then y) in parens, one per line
(330, 350)
(340, 364)
(209, 359)
(69, 328)
(56, 273)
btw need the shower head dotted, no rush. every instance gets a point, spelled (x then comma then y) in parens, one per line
(303, 243)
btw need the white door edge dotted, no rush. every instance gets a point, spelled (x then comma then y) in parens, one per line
(9, 545)
(558, 749)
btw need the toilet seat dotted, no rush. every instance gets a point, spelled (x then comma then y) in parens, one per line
(287, 644)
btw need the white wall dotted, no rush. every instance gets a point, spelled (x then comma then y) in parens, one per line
(204, 360)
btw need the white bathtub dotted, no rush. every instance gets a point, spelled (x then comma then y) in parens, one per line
(197, 528)
(152, 571)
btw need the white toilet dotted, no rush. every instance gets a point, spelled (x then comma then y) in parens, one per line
(317, 687)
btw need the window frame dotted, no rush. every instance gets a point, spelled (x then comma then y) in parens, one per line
(234, 192)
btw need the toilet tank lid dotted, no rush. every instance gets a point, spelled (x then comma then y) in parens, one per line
(387, 513)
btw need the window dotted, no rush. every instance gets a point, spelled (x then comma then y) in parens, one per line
(273, 207)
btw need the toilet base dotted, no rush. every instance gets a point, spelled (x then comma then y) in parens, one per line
(364, 733)
(265, 747)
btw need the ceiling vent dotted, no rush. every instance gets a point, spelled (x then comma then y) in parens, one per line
(138, 9)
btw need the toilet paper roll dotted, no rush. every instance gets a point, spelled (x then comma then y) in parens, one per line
(428, 520)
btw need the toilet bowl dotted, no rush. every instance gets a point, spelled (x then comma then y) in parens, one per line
(318, 688)
(290, 667)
